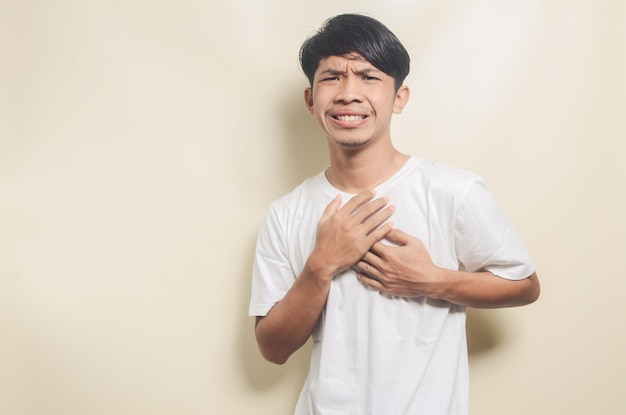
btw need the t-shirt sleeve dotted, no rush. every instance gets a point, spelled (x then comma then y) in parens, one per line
(485, 239)
(272, 275)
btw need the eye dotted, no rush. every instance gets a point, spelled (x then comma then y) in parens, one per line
(330, 79)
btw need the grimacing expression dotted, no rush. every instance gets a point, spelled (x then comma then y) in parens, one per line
(353, 101)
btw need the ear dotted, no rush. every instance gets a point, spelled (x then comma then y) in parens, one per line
(402, 97)
(308, 99)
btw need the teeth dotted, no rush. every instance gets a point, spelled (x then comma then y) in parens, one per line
(350, 117)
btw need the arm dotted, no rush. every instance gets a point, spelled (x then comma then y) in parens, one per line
(407, 270)
(486, 290)
(344, 235)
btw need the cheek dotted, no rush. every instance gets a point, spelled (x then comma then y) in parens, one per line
(320, 104)
(382, 99)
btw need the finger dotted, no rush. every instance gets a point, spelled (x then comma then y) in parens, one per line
(365, 269)
(371, 261)
(379, 249)
(368, 270)
(377, 218)
(398, 237)
(370, 282)
(332, 207)
(358, 201)
(380, 232)
(367, 211)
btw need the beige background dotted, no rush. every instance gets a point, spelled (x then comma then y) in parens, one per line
(141, 142)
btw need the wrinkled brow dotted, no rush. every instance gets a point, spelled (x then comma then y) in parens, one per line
(360, 71)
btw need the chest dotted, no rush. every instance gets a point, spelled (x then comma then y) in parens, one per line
(419, 212)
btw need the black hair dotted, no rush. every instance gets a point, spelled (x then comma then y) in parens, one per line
(349, 33)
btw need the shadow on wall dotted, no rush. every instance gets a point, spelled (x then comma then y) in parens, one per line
(485, 332)
(259, 373)
(306, 152)
(305, 145)
(306, 155)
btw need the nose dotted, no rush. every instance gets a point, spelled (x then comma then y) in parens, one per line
(349, 90)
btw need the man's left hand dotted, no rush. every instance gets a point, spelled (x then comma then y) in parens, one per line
(405, 269)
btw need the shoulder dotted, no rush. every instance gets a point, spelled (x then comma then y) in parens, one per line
(302, 192)
(437, 170)
(444, 178)
(294, 211)
(292, 204)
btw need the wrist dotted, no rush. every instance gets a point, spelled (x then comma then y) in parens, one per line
(319, 267)
(444, 283)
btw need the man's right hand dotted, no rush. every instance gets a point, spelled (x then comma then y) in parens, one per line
(345, 234)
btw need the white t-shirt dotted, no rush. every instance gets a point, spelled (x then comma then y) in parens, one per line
(374, 353)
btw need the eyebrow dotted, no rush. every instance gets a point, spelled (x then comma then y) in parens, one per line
(364, 71)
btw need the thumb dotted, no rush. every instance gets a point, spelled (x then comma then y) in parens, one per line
(398, 237)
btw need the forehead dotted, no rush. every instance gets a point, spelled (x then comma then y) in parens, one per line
(351, 61)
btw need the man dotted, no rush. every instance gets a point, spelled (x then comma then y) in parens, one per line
(378, 256)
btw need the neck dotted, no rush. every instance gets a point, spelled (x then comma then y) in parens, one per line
(358, 170)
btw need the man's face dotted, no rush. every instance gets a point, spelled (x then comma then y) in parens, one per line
(353, 101)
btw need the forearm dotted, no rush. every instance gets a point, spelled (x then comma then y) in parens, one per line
(289, 324)
(486, 290)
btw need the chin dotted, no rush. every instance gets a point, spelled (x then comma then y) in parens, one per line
(356, 143)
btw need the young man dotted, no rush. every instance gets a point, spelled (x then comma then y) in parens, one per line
(378, 256)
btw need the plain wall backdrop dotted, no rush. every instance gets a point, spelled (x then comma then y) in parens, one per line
(142, 141)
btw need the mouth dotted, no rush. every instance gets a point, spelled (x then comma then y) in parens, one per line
(349, 117)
